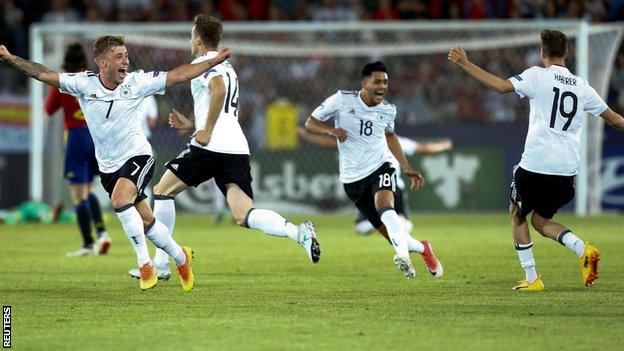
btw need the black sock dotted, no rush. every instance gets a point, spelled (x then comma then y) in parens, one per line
(84, 222)
(96, 213)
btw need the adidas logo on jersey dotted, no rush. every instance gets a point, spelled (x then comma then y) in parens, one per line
(352, 111)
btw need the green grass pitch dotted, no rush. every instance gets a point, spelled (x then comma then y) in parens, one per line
(255, 292)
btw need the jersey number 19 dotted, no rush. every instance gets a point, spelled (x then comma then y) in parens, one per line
(558, 104)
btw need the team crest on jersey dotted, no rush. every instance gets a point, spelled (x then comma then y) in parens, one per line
(125, 92)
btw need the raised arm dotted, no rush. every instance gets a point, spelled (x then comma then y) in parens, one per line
(458, 56)
(217, 98)
(395, 147)
(614, 119)
(30, 68)
(187, 72)
(316, 126)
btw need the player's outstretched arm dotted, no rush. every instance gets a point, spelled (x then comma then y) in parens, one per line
(395, 147)
(458, 56)
(316, 126)
(433, 147)
(187, 72)
(317, 139)
(614, 119)
(30, 68)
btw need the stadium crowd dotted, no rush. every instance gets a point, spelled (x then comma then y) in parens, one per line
(417, 102)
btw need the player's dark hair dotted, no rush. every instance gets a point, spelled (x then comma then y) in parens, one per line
(371, 67)
(554, 43)
(209, 29)
(74, 59)
(103, 44)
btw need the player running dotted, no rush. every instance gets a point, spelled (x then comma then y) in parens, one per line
(410, 147)
(110, 101)
(543, 181)
(365, 130)
(219, 150)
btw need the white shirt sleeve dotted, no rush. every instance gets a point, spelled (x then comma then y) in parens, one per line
(329, 108)
(390, 126)
(209, 74)
(525, 82)
(593, 102)
(150, 83)
(73, 83)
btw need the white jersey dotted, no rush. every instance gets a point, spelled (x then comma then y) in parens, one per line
(149, 111)
(113, 115)
(365, 148)
(227, 135)
(557, 100)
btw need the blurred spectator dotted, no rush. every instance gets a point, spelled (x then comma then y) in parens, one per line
(332, 10)
(60, 12)
(385, 11)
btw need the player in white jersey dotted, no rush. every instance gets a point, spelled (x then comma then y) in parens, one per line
(219, 150)
(364, 127)
(110, 101)
(543, 182)
(410, 147)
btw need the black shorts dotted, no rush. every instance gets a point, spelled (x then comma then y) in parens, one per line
(362, 192)
(139, 169)
(543, 193)
(400, 206)
(196, 165)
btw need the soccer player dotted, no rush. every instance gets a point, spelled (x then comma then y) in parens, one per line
(364, 127)
(410, 147)
(543, 181)
(219, 150)
(109, 101)
(80, 163)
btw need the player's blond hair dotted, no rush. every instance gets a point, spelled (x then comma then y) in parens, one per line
(104, 43)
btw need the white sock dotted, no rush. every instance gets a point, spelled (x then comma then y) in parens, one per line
(572, 242)
(396, 231)
(271, 223)
(164, 211)
(158, 234)
(133, 227)
(364, 227)
(525, 254)
(414, 245)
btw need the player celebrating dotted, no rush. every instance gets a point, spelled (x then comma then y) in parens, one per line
(362, 118)
(80, 163)
(110, 101)
(543, 182)
(410, 147)
(219, 150)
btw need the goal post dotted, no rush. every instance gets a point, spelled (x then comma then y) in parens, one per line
(298, 64)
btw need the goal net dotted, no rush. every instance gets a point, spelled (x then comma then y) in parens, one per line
(287, 69)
